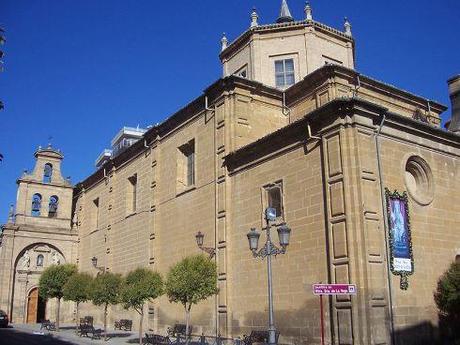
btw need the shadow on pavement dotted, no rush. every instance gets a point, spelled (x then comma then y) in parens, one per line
(11, 336)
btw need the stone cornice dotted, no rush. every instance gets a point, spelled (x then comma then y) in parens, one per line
(324, 116)
(245, 36)
(296, 91)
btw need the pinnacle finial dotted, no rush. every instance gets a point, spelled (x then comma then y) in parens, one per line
(347, 27)
(285, 14)
(254, 17)
(224, 41)
(308, 11)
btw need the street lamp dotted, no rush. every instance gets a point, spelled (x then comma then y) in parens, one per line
(267, 251)
(94, 262)
(199, 241)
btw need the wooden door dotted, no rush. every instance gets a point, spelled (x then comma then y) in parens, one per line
(32, 306)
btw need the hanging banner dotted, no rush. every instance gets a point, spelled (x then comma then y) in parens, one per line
(402, 261)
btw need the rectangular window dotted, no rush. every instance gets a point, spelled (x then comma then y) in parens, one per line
(273, 197)
(186, 165)
(284, 73)
(131, 197)
(95, 214)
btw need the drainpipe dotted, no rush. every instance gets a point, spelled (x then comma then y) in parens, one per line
(206, 106)
(385, 225)
(285, 109)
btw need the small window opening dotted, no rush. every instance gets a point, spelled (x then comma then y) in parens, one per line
(53, 206)
(47, 173)
(36, 204)
(186, 164)
(274, 199)
(284, 73)
(132, 194)
(95, 213)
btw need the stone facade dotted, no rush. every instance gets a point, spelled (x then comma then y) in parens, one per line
(331, 143)
(38, 234)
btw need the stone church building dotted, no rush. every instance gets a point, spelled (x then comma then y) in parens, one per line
(361, 172)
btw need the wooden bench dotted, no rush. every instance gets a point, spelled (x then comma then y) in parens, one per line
(86, 330)
(258, 337)
(179, 330)
(157, 339)
(124, 324)
(48, 325)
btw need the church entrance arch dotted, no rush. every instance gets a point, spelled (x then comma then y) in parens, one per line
(36, 307)
(27, 305)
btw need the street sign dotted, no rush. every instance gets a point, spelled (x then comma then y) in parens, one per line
(334, 289)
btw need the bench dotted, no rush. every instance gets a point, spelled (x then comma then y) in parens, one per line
(87, 320)
(124, 324)
(85, 330)
(48, 325)
(258, 337)
(157, 339)
(179, 330)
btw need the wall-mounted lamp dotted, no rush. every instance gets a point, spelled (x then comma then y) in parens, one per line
(199, 241)
(94, 262)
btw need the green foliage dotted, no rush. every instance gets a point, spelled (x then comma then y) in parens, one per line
(191, 280)
(447, 295)
(105, 289)
(53, 279)
(77, 288)
(140, 286)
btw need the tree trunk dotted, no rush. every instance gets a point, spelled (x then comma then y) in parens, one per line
(77, 317)
(187, 323)
(57, 313)
(105, 322)
(140, 324)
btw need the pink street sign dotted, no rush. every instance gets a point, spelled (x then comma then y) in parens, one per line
(334, 289)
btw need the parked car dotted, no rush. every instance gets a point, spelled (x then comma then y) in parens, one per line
(3, 319)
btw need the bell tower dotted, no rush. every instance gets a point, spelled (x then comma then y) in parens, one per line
(38, 233)
(44, 196)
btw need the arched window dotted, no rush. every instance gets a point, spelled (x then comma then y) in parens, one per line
(40, 260)
(53, 206)
(47, 173)
(36, 204)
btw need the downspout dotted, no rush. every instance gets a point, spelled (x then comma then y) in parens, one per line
(385, 225)
(216, 157)
(358, 86)
(285, 109)
(206, 106)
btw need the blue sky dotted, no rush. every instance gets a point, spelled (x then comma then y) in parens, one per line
(80, 70)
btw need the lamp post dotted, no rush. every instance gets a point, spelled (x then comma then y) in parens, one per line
(199, 241)
(267, 251)
(94, 262)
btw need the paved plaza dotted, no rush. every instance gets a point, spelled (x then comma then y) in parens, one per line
(31, 334)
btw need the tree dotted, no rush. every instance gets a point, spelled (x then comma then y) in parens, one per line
(447, 298)
(105, 290)
(77, 289)
(140, 286)
(190, 281)
(52, 281)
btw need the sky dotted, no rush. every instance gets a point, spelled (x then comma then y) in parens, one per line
(79, 70)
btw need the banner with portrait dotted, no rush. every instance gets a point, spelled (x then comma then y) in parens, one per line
(400, 242)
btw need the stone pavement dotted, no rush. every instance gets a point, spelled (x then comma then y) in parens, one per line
(67, 334)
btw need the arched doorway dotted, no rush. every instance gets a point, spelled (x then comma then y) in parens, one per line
(26, 304)
(36, 307)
